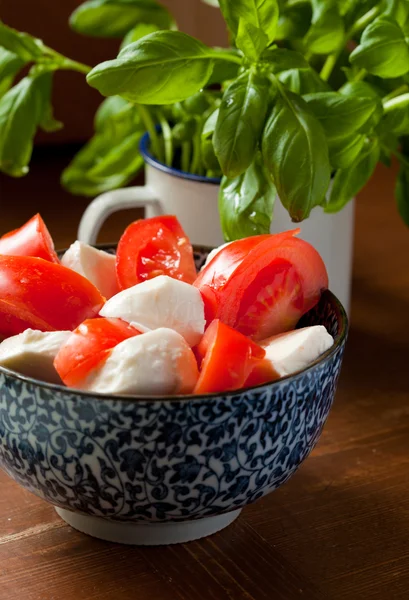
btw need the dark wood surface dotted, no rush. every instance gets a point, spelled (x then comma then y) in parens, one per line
(339, 529)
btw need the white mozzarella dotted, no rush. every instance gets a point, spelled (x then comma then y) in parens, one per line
(161, 302)
(32, 353)
(213, 253)
(155, 363)
(295, 350)
(96, 265)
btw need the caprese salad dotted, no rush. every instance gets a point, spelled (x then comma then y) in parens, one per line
(144, 322)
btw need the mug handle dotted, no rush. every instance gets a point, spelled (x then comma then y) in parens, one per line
(108, 203)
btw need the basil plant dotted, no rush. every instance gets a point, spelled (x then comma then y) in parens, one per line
(310, 92)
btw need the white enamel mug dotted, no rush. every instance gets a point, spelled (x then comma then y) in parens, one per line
(194, 200)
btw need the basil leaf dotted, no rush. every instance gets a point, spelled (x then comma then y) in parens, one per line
(10, 65)
(214, 3)
(26, 46)
(138, 32)
(383, 50)
(110, 110)
(259, 13)
(347, 183)
(246, 203)
(21, 109)
(114, 18)
(295, 152)
(303, 81)
(251, 40)
(294, 21)
(162, 68)
(362, 89)
(281, 59)
(340, 115)
(402, 193)
(345, 151)
(46, 120)
(184, 130)
(123, 158)
(210, 125)
(396, 121)
(208, 153)
(327, 31)
(240, 122)
(198, 103)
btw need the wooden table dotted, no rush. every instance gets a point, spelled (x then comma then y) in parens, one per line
(338, 530)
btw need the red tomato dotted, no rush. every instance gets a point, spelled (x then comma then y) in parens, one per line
(215, 274)
(279, 280)
(88, 346)
(227, 359)
(38, 294)
(263, 372)
(152, 247)
(32, 239)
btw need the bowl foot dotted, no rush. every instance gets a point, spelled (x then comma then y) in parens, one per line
(147, 534)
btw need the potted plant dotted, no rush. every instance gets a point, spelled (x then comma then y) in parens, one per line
(310, 96)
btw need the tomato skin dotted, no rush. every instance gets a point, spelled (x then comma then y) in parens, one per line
(277, 281)
(32, 239)
(214, 277)
(156, 246)
(88, 346)
(42, 295)
(226, 358)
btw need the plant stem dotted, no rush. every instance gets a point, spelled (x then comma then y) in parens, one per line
(362, 73)
(400, 90)
(167, 138)
(66, 63)
(398, 102)
(151, 129)
(227, 56)
(358, 26)
(401, 157)
(196, 166)
(185, 156)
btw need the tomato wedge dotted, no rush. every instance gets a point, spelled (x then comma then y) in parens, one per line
(268, 290)
(42, 295)
(152, 247)
(32, 239)
(88, 346)
(227, 359)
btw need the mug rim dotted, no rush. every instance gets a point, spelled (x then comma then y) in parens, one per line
(149, 159)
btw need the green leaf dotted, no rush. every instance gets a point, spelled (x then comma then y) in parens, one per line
(402, 193)
(209, 157)
(240, 122)
(138, 32)
(347, 183)
(162, 68)
(214, 3)
(295, 152)
(340, 115)
(246, 203)
(46, 121)
(396, 119)
(185, 130)
(327, 31)
(210, 124)
(383, 50)
(123, 158)
(114, 18)
(111, 158)
(362, 89)
(251, 40)
(27, 47)
(262, 14)
(10, 65)
(281, 59)
(21, 110)
(198, 103)
(345, 151)
(294, 22)
(303, 81)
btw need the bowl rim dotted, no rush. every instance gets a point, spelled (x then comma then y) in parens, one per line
(85, 395)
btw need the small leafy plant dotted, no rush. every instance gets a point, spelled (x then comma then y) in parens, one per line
(310, 92)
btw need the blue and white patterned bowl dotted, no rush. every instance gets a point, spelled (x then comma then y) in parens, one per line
(164, 470)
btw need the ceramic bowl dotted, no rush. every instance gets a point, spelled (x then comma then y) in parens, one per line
(159, 470)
